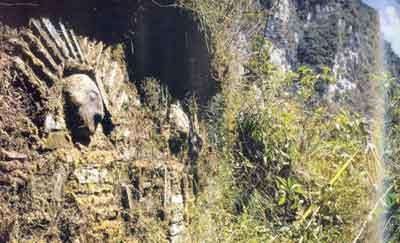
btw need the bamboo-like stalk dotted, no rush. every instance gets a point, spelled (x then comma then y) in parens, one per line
(331, 183)
(342, 169)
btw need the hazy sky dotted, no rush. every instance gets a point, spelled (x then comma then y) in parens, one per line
(389, 11)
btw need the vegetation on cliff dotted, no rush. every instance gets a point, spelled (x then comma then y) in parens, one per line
(391, 155)
(293, 167)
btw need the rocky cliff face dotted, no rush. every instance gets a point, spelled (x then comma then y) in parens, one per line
(85, 155)
(342, 35)
(392, 61)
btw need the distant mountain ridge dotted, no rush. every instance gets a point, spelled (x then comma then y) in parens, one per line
(342, 35)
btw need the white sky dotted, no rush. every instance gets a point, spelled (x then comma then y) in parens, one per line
(389, 11)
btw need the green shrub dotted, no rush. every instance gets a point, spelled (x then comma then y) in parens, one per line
(320, 43)
(278, 149)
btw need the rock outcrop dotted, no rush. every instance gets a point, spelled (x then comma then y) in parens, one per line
(83, 159)
(342, 35)
(85, 99)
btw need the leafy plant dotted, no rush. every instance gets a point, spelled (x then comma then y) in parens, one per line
(291, 194)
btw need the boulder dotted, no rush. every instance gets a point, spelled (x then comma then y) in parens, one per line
(85, 98)
(50, 124)
(179, 119)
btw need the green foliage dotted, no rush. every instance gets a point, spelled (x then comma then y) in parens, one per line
(320, 43)
(264, 151)
(392, 155)
(311, 83)
(279, 149)
(271, 81)
(279, 159)
(290, 192)
(259, 63)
